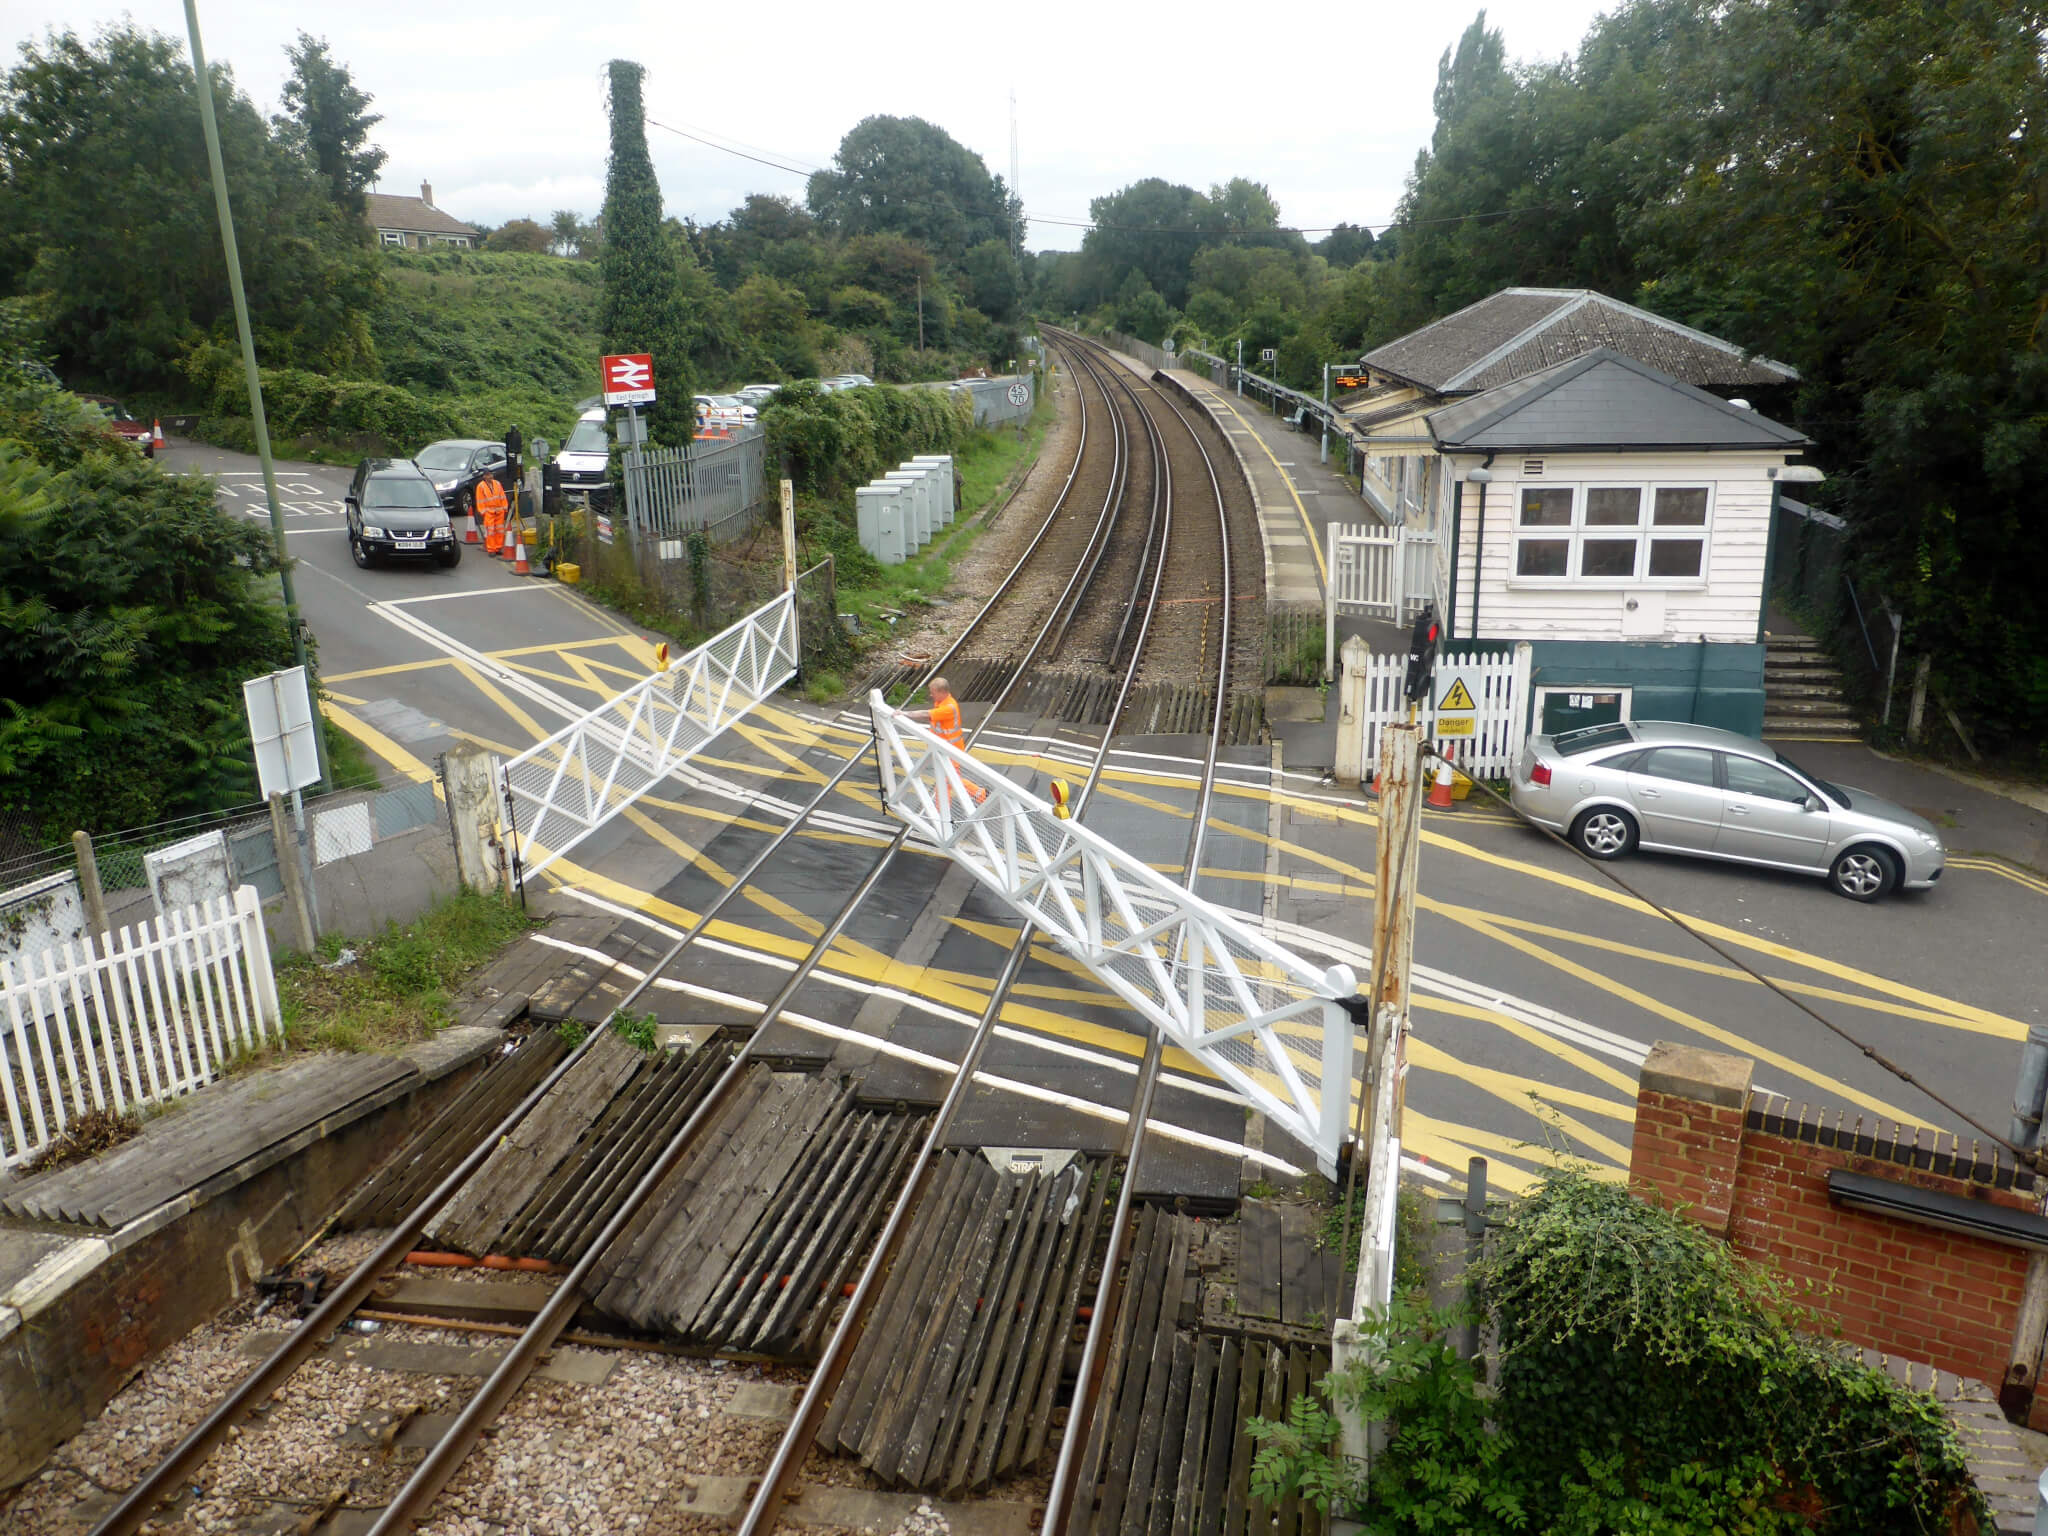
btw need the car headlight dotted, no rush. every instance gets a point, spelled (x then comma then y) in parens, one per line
(445, 486)
(440, 533)
(1932, 840)
(372, 531)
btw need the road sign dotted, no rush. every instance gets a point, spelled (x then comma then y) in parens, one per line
(628, 378)
(1019, 393)
(281, 726)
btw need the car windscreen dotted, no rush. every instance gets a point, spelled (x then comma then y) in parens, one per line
(1591, 739)
(399, 491)
(1834, 792)
(588, 437)
(443, 456)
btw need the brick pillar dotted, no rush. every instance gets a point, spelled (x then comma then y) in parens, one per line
(1690, 1106)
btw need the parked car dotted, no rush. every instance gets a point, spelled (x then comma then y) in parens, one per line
(852, 380)
(395, 513)
(125, 425)
(1715, 794)
(457, 465)
(738, 411)
(583, 463)
(758, 395)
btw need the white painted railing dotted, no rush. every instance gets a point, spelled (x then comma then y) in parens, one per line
(1261, 1018)
(566, 787)
(1483, 741)
(1383, 573)
(131, 1018)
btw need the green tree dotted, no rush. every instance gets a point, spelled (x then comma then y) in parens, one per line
(131, 609)
(565, 232)
(905, 176)
(1153, 226)
(1141, 311)
(327, 119)
(1346, 245)
(643, 309)
(521, 235)
(103, 171)
(995, 281)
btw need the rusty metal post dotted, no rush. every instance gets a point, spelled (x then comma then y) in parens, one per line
(89, 884)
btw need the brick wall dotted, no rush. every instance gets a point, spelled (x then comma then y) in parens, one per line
(1759, 1179)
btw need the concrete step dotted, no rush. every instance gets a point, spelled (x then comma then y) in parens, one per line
(1803, 688)
(1817, 709)
(1791, 642)
(1830, 730)
(1799, 661)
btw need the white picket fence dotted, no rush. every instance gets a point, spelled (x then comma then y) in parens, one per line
(131, 1018)
(1499, 686)
(1382, 573)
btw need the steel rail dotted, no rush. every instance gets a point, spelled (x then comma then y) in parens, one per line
(1071, 1474)
(795, 1445)
(416, 1497)
(282, 1363)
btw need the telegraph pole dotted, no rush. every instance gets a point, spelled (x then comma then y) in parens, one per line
(255, 381)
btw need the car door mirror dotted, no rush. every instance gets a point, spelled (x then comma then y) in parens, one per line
(1813, 803)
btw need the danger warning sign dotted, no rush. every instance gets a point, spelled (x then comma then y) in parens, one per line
(1457, 696)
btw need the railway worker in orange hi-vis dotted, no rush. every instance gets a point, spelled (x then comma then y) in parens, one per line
(944, 719)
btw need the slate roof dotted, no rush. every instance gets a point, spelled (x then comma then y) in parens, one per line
(1520, 331)
(1603, 401)
(411, 214)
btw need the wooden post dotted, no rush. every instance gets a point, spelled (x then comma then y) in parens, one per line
(298, 908)
(1918, 709)
(89, 884)
(1351, 704)
(1393, 906)
(788, 536)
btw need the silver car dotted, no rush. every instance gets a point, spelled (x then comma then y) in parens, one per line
(1693, 789)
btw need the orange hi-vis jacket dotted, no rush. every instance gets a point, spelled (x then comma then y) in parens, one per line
(946, 723)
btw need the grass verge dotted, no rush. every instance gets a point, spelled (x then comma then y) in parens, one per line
(400, 986)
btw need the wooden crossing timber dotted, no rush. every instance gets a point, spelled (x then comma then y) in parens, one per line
(953, 1382)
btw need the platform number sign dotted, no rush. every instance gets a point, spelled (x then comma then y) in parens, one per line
(1268, 354)
(628, 378)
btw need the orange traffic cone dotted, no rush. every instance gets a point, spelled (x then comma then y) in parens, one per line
(469, 534)
(156, 433)
(519, 565)
(507, 530)
(1440, 791)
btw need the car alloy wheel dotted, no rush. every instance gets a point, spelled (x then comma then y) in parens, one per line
(357, 553)
(1605, 833)
(1863, 874)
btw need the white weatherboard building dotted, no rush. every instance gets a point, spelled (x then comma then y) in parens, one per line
(1620, 516)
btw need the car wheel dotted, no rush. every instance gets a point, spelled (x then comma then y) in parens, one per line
(1605, 832)
(357, 553)
(453, 557)
(1864, 873)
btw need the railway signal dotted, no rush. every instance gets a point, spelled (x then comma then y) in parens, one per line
(1422, 644)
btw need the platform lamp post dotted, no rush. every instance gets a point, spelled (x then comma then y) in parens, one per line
(255, 381)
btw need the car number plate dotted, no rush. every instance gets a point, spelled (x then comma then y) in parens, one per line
(412, 543)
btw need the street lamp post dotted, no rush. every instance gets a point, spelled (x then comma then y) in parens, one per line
(255, 382)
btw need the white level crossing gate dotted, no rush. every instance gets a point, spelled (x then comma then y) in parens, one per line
(1262, 1019)
(563, 789)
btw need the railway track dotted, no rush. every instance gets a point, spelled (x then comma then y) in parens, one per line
(710, 1199)
(1075, 679)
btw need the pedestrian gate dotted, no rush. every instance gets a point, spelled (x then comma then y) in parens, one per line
(1382, 573)
(563, 789)
(1261, 1018)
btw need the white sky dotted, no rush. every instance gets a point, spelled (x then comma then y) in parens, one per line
(503, 112)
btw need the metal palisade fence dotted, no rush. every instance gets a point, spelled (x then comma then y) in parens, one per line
(719, 485)
(134, 1017)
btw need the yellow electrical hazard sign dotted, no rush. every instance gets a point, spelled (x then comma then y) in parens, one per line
(1458, 696)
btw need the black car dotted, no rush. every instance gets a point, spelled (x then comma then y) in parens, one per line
(394, 512)
(457, 465)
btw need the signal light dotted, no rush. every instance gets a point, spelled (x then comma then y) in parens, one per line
(661, 657)
(1061, 799)
(1422, 643)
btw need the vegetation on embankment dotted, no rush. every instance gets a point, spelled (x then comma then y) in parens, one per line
(401, 985)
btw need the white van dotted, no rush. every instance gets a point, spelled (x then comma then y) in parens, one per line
(584, 459)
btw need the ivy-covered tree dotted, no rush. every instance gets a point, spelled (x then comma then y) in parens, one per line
(643, 309)
(327, 119)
